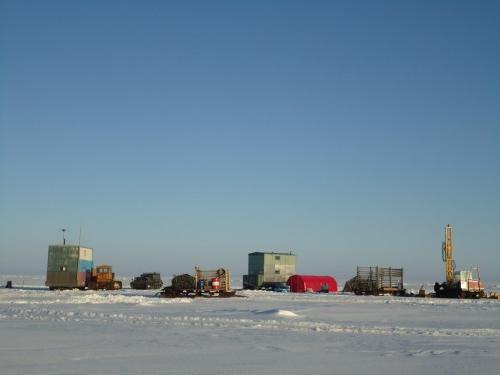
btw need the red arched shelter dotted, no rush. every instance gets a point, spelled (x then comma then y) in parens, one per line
(311, 283)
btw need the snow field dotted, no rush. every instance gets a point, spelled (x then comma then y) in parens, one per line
(128, 331)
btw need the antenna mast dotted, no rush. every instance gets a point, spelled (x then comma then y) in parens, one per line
(64, 239)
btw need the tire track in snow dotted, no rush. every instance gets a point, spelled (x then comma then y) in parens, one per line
(277, 324)
(102, 299)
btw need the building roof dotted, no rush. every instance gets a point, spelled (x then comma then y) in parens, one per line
(271, 252)
(69, 245)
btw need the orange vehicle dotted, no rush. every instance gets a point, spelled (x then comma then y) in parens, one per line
(103, 277)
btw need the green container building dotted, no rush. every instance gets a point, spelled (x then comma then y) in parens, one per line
(269, 269)
(69, 266)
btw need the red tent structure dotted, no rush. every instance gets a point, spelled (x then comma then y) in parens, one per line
(312, 283)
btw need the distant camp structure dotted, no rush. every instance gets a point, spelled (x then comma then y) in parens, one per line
(69, 266)
(72, 266)
(269, 269)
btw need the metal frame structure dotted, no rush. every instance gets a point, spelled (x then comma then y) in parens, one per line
(378, 280)
(447, 254)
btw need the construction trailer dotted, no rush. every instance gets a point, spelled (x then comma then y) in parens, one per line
(269, 269)
(204, 283)
(312, 284)
(69, 266)
(376, 281)
(458, 284)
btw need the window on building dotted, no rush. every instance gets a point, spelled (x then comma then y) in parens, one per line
(277, 257)
(277, 272)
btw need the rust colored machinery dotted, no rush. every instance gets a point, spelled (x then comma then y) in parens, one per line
(103, 277)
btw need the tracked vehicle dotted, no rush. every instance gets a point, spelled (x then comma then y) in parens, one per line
(150, 280)
(103, 277)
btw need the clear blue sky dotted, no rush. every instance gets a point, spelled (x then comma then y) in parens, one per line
(194, 133)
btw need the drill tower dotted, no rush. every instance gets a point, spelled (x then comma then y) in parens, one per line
(448, 255)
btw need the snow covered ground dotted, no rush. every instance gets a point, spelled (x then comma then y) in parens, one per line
(132, 332)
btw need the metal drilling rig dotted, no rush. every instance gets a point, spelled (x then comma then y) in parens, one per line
(447, 254)
(458, 284)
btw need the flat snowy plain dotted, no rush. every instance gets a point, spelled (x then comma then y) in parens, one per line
(132, 332)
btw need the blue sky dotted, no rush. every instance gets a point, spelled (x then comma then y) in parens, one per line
(182, 134)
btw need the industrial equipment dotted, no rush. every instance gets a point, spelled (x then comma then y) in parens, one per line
(103, 277)
(458, 284)
(208, 283)
(150, 280)
(376, 281)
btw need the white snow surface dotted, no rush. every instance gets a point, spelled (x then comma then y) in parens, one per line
(134, 332)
